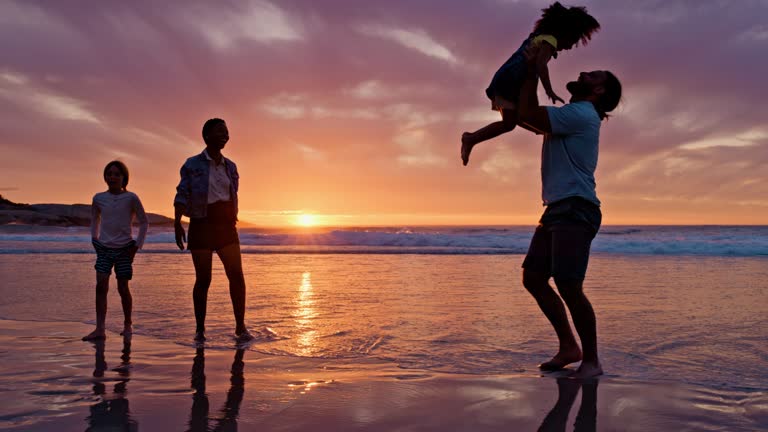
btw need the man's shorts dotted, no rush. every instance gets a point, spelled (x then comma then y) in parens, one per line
(560, 245)
(119, 258)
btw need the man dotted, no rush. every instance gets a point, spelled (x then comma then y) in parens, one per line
(560, 246)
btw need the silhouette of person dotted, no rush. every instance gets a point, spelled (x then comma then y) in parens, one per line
(113, 411)
(567, 390)
(207, 194)
(199, 417)
(560, 245)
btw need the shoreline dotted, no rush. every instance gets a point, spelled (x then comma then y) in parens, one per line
(52, 378)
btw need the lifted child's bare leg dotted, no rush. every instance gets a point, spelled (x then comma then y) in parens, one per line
(470, 139)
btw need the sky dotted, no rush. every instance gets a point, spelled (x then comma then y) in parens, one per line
(344, 112)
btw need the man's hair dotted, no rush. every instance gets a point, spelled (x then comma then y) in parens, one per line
(210, 124)
(123, 170)
(610, 99)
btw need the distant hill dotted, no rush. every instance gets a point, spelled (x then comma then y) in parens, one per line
(57, 214)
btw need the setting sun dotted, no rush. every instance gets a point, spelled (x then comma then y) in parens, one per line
(306, 220)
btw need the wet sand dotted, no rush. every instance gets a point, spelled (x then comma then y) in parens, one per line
(53, 381)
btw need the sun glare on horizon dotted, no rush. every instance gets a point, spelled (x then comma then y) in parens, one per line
(306, 220)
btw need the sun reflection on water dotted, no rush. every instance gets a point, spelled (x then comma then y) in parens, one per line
(304, 315)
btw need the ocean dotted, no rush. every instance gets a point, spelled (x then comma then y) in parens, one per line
(715, 241)
(388, 325)
(672, 302)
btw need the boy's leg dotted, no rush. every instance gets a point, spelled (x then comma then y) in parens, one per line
(102, 288)
(124, 273)
(127, 300)
(201, 258)
(231, 259)
(105, 260)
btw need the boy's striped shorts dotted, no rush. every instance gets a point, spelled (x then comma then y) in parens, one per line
(119, 258)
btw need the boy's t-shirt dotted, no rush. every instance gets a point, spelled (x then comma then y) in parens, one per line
(569, 153)
(112, 215)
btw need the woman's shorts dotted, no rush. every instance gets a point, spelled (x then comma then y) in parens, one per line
(216, 230)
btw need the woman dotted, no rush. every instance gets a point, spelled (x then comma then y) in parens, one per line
(207, 194)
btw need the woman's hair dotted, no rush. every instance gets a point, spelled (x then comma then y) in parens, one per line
(210, 124)
(123, 170)
(571, 22)
(610, 99)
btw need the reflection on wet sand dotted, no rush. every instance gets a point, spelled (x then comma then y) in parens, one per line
(113, 411)
(226, 420)
(567, 390)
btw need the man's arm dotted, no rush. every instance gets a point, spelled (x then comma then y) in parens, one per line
(532, 116)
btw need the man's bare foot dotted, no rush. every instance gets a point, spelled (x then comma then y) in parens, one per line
(243, 336)
(561, 360)
(588, 370)
(466, 148)
(95, 335)
(127, 330)
(199, 336)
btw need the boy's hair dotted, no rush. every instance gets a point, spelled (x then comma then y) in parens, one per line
(210, 124)
(561, 21)
(610, 99)
(123, 170)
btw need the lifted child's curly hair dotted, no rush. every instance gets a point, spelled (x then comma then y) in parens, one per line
(571, 22)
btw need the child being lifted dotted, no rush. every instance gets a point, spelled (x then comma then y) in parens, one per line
(559, 28)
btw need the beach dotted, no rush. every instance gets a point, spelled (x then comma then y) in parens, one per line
(54, 382)
(419, 337)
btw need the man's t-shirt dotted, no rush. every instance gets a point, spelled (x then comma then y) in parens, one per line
(569, 153)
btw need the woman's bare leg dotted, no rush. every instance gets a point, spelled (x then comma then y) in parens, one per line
(233, 267)
(201, 258)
